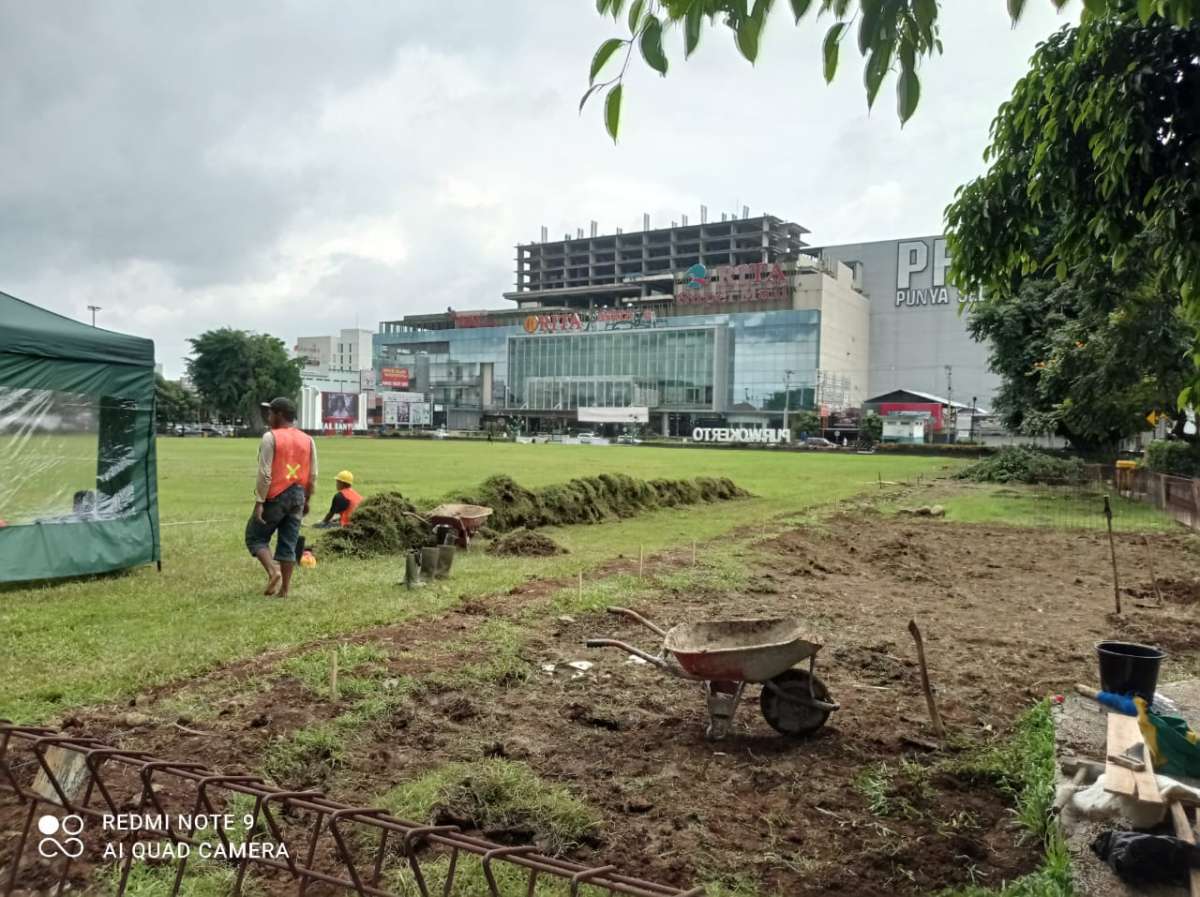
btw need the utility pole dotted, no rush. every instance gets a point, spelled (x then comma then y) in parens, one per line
(950, 404)
(787, 397)
(93, 309)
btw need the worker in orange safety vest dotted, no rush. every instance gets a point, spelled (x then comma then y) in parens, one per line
(287, 475)
(345, 500)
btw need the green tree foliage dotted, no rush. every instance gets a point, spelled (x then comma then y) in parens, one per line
(1085, 360)
(175, 405)
(1102, 139)
(892, 36)
(807, 423)
(872, 429)
(234, 371)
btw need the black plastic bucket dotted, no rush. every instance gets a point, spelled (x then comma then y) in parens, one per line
(1127, 668)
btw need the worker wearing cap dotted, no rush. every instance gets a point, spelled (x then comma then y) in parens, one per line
(287, 474)
(345, 500)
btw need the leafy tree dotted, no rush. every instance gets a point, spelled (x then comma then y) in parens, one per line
(871, 430)
(807, 423)
(234, 371)
(892, 35)
(1102, 140)
(175, 404)
(1085, 360)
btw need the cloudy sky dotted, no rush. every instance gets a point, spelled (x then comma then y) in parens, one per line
(298, 167)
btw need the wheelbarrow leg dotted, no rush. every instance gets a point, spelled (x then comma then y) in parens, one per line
(723, 699)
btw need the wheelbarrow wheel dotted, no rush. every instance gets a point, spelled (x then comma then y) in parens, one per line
(792, 713)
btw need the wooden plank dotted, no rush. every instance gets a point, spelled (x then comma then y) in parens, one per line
(1184, 832)
(1118, 779)
(1147, 784)
(70, 771)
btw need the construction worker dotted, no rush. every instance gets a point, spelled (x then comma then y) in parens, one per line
(345, 500)
(287, 475)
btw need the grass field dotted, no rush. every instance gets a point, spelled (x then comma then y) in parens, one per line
(82, 641)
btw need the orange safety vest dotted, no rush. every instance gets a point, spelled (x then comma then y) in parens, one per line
(293, 455)
(354, 498)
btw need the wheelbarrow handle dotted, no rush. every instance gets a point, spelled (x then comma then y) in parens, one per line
(634, 615)
(629, 649)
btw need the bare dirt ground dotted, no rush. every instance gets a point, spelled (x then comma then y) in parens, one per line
(1009, 616)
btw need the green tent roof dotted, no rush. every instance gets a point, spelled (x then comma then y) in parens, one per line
(28, 330)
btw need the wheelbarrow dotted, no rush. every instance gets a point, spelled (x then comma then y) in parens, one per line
(726, 655)
(464, 520)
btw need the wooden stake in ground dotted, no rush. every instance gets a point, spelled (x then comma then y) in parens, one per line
(936, 718)
(1112, 547)
(641, 561)
(581, 587)
(1153, 578)
(1185, 832)
(333, 673)
(693, 552)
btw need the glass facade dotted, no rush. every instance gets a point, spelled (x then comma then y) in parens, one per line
(715, 363)
(669, 368)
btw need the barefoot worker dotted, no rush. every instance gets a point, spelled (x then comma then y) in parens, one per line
(345, 500)
(287, 472)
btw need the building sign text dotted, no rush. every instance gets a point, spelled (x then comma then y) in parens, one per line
(755, 282)
(394, 377)
(740, 434)
(600, 319)
(913, 257)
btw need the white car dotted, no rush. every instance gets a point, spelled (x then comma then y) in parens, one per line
(441, 433)
(586, 438)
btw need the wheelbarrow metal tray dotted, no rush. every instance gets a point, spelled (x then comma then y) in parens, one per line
(739, 650)
(471, 516)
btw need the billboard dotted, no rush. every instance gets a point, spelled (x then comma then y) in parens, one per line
(394, 377)
(631, 415)
(339, 407)
(401, 410)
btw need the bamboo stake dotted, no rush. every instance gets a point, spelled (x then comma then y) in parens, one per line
(1112, 547)
(333, 675)
(939, 730)
(581, 586)
(641, 561)
(693, 552)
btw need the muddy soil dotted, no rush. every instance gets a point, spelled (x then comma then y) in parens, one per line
(1009, 616)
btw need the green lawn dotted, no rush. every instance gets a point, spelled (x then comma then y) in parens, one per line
(82, 641)
(1053, 507)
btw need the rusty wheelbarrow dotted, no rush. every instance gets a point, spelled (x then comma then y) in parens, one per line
(727, 654)
(464, 520)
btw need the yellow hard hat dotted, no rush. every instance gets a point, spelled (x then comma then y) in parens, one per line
(345, 476)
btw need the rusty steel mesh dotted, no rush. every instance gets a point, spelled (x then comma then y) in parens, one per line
(283, 842)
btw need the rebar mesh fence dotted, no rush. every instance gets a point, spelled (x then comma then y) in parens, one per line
(83, 811)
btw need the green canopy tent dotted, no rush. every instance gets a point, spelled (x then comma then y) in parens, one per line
(78, 488)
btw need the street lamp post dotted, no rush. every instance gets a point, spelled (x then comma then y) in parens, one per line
(787, 398)
(93, 309)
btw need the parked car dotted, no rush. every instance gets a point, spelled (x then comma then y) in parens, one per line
(586, 437)
(441, 433)
(819, 444)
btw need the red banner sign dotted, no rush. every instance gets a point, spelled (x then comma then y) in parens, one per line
(471, 319)
(394, 377)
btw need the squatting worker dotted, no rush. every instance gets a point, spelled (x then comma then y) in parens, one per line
(287, 473)
(345, 500)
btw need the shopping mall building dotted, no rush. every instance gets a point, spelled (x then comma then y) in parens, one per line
(716, 324)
